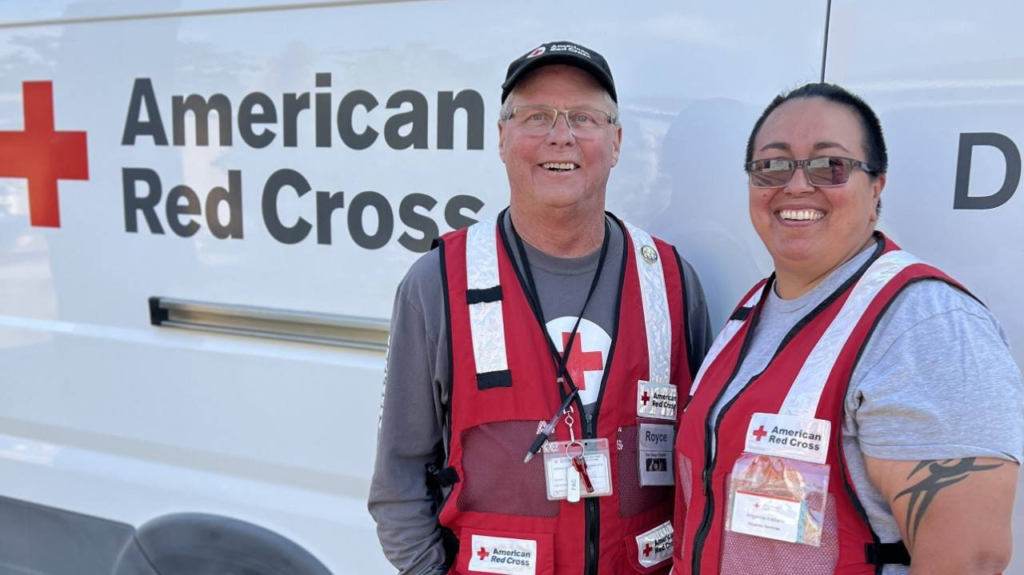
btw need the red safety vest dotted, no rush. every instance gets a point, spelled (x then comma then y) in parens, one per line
(821, 355)
(504, 387)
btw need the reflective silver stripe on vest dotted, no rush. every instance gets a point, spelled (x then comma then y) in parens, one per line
(486, 321)
(805, 393)
(732, 327)
(655, 301)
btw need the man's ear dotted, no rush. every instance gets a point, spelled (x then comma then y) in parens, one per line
(501, 141)
(617, 144)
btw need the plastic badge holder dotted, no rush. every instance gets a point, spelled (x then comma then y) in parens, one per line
(778, 498)
(655, 452)
(557, 463)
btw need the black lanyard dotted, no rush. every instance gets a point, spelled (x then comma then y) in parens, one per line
(533, 298)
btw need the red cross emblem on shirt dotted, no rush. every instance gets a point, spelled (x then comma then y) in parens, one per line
(42, 155)
(580, 361)
(482, 553)
(645, 398)
(760, 432)
(647, 550)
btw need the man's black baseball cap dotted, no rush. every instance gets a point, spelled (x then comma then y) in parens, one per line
(567, 53)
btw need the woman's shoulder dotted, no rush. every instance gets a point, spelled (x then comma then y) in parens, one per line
(935, 301)
(937, 328)
(936, 380)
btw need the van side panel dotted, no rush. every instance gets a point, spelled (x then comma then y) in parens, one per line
(946, 84)
(295, 158)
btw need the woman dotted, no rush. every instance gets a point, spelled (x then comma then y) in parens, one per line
(860, 412)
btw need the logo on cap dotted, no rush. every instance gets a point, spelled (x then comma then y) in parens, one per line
(573, 48)
(537, 52)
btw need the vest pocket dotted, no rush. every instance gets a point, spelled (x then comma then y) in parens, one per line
(685, 477)
(494, 477)
(684, 481)
(743, 554)
(491, 551)
(634, 499)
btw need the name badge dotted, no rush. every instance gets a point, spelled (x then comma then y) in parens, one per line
(655, 401)
(791, 437)
(655, 443)
(768, 516)
(503, 555)
(655, 546)
(565, 480)
(778, 498)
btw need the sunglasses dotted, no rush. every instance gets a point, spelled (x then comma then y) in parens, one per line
(823, 171)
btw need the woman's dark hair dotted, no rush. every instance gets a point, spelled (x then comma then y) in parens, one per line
(874, 143)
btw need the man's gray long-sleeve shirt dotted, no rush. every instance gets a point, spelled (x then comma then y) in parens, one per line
(411, 432)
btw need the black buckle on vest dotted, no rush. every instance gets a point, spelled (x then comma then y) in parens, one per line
(886, 553)
(493, 379)
(443, 478)
(741, 314)
(483, 295)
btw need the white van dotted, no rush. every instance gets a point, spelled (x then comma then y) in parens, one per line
(205, 208)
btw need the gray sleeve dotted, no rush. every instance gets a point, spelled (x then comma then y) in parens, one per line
(698, 328)
(410, 431)
(937, 381)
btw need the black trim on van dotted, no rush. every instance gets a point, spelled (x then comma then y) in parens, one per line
(39, 539)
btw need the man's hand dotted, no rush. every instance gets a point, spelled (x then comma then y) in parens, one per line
(954, 515)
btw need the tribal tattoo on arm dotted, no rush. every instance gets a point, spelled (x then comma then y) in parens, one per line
(940, 474)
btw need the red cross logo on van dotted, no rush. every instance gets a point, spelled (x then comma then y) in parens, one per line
(42, 155)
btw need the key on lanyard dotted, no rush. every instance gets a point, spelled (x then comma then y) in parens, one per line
(578, 470)
(580, 464)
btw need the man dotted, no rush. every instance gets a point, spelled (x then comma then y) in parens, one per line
(555, 330)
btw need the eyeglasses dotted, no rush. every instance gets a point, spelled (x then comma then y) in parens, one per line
(539, 120)
(823, 171)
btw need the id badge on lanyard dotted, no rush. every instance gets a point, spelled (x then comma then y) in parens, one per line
(779, 485)
(577, 469)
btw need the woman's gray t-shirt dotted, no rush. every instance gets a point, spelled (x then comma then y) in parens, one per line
(935, 381)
